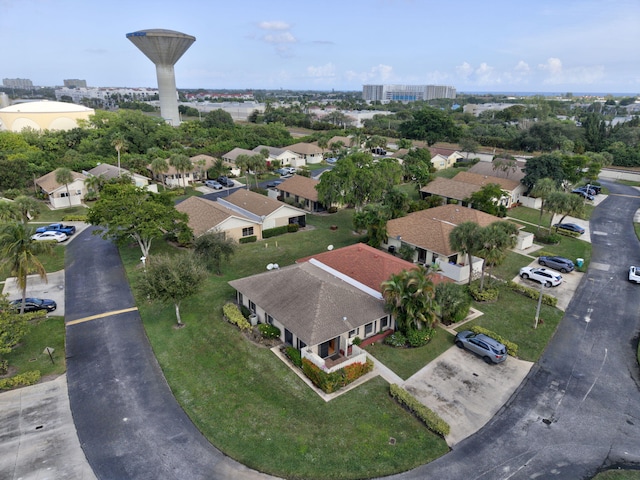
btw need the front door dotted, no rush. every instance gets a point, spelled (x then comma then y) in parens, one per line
(288, 337)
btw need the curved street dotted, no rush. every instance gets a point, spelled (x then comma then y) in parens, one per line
(577, 410)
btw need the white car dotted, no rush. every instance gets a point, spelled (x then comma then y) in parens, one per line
(544, 276)
(634, 274)
(50, 236)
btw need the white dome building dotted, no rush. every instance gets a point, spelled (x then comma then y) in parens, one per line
(44, 115)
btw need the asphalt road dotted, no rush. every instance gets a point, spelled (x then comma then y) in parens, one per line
(579, 408)
(128, 422)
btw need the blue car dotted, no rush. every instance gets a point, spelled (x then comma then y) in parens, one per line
(561, 264)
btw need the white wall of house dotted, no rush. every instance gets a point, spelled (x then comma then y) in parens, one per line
(59, 199)
(531, 202)
(457, 272)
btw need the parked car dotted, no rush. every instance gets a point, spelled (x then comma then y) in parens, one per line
(331, 160)
(557, 263)
(572, 227)
(225, 182)
(51, 236)
(634, 274)
(214, 184)
(583, 193)
(58, 227)
(488, 348)
(34, 304)
(541, 275)
(595, 188)
(274, 183)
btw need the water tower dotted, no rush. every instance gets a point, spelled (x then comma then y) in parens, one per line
(164, 48)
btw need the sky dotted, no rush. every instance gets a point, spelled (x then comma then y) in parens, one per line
(539, 46)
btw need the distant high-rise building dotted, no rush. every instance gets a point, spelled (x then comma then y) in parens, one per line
(23, 83)
(406, 93)
(75, 83)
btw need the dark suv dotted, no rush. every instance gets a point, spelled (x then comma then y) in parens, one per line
(226, 182)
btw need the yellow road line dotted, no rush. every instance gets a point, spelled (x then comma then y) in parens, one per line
(101, 315)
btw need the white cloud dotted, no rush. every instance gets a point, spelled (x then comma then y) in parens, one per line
(323, 71)
(522, 67)
(553, 66)
(465, 70)
(378, 74)
(277, 25)
(286, 37)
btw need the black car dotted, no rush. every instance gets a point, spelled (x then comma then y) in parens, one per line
(572, 227)
(225, 182)
(582, 191)
(34, 304)
(593, 189)
(557, 263)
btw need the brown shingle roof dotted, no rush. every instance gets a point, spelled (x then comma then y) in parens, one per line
(253, 202)
(236, 152)
(48, 182)
(430, 228)
(304, 148)
(205, 214)
(487, 168)
(310, 302)
(304, 187)
(450, 188)
(482, 180)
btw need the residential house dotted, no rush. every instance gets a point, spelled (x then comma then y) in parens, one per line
(197, 173)
(501, 168)
(512, 189)
(301, 191)
(311, 153)
(269, 212)
(60, 195)
(109, 172)
(427, 231)
(286, 157)
(230, 158)
(450, 190)
(207, 216)
(446, 157)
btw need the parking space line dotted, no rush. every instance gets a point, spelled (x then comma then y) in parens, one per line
(100, 315)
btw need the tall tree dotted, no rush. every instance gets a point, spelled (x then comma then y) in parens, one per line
(159, 166)
(212, 248)
(542, 189)
(128, 212)
(119, 143)
(465, 238)
(20, 253)
(489, 199)
(182, 164)
(453, 302)
(409, 296)
(431, 125)
(560, 203)
(549, 165)
(495, 240)
(172, 279)
(243, 162)
(64, 176)
(373, 218)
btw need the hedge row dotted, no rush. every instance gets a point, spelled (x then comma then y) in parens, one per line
(512, 348)
(20, 380)
(532, 293)
(74, 218)
(250, 239)
(274, 232)
(330, 382)
(233, 315)
(486, 295)
(431, 419)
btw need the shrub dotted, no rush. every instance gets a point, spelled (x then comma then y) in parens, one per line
(274, 232)
(294, 355)
(4, 366)
(418, 338)
(330, 382)
(544, 236)
(269, 331)
(293, 227)
(233, 315)
(486, 295)
(357, 341)
(396, 339)
(532, 293)
(74, 218)
(332, 210)
(21, 380)
(454, 302)
(250, 239)
(431, 419)
(512, 348)
(246, 313)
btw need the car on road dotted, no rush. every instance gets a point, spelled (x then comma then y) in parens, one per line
(50, 236)
(58, 227)
(33, 304)
(634, 274)
(541, 275)
(583, 193)
(274, 183)
(572, 227)
(331, 160)
(488, 348)
(214, 184)
(225, 182)
(557, 263)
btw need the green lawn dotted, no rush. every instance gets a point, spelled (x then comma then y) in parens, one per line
(51, 216)
(52, 262)
(510, 267)
(450, 172)
(618, 475)
(530, 215)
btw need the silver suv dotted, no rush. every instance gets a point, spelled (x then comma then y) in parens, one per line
(489, 349)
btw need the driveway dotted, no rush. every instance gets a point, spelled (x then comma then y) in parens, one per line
(53, 288)
(563, 292)
(465, 391)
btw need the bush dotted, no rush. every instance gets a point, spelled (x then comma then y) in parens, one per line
(74, 218)
(21, 380)
(332, 210)
(532, 293)
(246, 313)
(250, 239)
(512, 348)
(431, 419)
(486, 295)
(418, 338)
(294, 355)
(233, 315)
(293, 227)
(396, 339)
(454, 302)
(4, 366)
(330, 382)
(544, 236)
(274, 232)
(269, 331)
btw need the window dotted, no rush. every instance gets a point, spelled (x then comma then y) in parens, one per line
(78, 192)
(369, 328)
(246, 232)
(384, 323)
(64, 194)
(269, 319)
(240, 299)
(353, 333)
(252, 306)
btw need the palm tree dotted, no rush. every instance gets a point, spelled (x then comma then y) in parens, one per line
(94, 183)
(182, 164)
(8, 211)
(464, 238)
(65, 177)
(542, 189)
(159, 166)
(409, 297)
(19, 252)
(119, 143)
(495, 240)
(243, 162)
